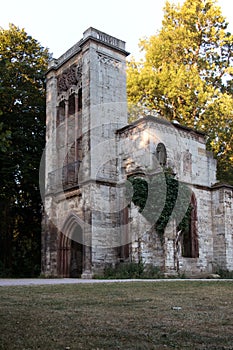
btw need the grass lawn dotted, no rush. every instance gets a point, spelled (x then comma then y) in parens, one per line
(144, 315)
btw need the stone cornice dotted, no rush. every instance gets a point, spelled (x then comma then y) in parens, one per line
(158, 120)
(90, 34)
(218, 186)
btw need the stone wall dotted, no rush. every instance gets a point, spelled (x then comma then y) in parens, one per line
(192, 164)
(222, 213)
(186, 150)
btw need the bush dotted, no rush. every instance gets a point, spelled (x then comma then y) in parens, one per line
(4, 272)
(152, 271)
(131, 270)
(225, 273)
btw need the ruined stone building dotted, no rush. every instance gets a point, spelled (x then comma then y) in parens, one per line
(91, 151)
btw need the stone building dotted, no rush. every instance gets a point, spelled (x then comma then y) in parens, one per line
(92, 151)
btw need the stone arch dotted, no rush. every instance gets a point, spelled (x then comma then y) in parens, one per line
(71, 247)
(190, 244)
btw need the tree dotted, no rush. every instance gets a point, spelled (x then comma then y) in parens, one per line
(23, 62)
(4, 135)
(187, 75)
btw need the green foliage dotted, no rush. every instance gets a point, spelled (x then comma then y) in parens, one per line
(187, 73)
(4, 138)
(124, 271)
(23, 63)
(161, 198)
(184, 225)
(226, 274)
(151, 271)
(140, 191)
(5, 272)
(132, 270)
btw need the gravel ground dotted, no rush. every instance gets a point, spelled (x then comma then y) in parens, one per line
(42, 281)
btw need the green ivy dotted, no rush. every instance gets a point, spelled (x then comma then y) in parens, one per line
(156, 196)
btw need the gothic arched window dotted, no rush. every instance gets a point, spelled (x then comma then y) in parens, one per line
(190, 246)
(161, 154)
(71, 105)
(61, 113)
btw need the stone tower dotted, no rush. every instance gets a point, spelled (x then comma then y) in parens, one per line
(86, 104)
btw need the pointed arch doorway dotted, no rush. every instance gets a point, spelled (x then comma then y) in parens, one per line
(71, 249)
(76, 255)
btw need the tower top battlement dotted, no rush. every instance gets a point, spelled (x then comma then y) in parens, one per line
(89, 34)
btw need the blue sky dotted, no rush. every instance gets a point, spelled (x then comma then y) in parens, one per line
(60, 24)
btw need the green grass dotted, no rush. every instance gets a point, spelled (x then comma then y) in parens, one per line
(118, 316)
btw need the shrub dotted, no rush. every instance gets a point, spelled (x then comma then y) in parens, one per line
(225, 273)
(131, 270)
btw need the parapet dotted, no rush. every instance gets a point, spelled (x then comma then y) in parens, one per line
(89, 34)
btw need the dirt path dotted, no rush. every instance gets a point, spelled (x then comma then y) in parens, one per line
(44, 281)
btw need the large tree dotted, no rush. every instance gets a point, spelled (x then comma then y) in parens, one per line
(186, 75)
(23, 62)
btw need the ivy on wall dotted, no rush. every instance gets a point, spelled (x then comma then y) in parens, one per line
(160, 198)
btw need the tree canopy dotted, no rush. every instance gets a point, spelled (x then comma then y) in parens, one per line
(23, 62)
(187, 73)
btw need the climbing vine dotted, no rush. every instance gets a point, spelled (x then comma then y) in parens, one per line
(160, 198)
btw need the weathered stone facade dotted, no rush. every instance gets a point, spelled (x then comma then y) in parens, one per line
(91, 151)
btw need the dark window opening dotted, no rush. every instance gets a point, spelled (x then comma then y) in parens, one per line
(190, 246)
(161, 154)
(79, 100)
(61, 113)
(79, 149)
(123, 251)
(71, 110)
(187, 245)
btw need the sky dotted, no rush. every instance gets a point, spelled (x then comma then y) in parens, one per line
(58, 25)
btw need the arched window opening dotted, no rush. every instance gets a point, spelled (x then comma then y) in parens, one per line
(190, 246)
(124, 248)
(79, 100)
(161, 154)
(61, 112)
(70, 170)
(71, 110)
(79, 149)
